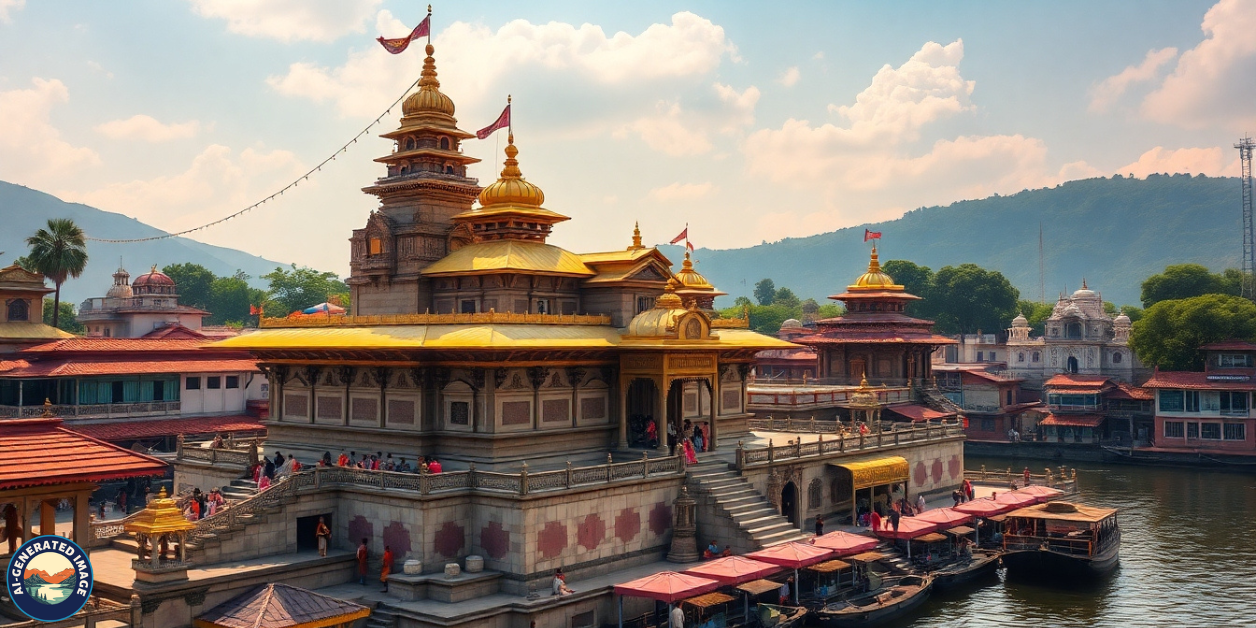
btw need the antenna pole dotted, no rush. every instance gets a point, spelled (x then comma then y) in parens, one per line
(1245, 147)
(1042, 283)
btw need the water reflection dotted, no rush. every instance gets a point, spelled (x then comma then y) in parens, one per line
(1188, 558)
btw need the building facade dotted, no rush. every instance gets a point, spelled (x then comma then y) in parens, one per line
(1079, 337)
(22, 311)
(1208, 411)
(133, 310)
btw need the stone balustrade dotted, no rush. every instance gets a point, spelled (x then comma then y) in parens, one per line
(1061, 477)
(843, 442)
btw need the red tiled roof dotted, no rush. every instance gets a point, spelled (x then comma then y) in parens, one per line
(874, 338)
(1129, 391)
(1209, 380)
(66, 368)
(119, 344)
(43, 451)
(917, 412)
(174, 332)
(1073, 420)
(1230, 345)
(1072, 380)
(157, 428)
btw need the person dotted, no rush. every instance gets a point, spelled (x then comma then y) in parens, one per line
(819, 525)
(728, 551)
(783, 594)
(968, 489)
(264, 483)
(863, 427)
(874, 520)
(362, 559)
(122, 500)
(279, 459)
(326, 459)
(386, 568)
(699, 439)
(690, 457)
(434, 466)
(423, 466)
(920, 503)
(560, 583)
(100, 510)
(200, 501)
(269, 470)
(712, 550)
(651, 434)
(193, 510)
(677, 618)
(1026, 476)
(955, 496)
(323, 534)
(894, 518)
(343, 460)
(403, 466)
(217, 443)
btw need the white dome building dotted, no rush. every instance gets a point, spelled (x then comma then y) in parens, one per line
(1079, 337)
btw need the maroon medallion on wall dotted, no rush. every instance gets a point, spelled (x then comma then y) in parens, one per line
(552, 539)
(494, 540)
(397, 537)
(591, 532)
(660, 518)
(627, 525)
(921, 474)
(937, 470)
(953, 467)
(450, 539)
(360, 528)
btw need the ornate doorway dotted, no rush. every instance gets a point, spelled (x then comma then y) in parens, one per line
(789, 502)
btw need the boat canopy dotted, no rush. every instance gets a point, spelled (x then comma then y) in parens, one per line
(877, 472)
(984, 507)
(793, 554)
(845, 543)
(960, 531)
(932, 537)
(830, 566)
(1064, 511)
(945, 517)
(667, 586)
(709, 599)
(733, 569)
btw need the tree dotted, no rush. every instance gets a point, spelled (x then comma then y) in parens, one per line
(830, 310)
(917, 280)
(786, 297)
(1182, 281)
(742, 302)
(765, 292)
(59, 252)
(66, 320)
(1036, 313)
(968, 298)
(195, 284)
(1170, 333)
(230, 298)
(299, 288)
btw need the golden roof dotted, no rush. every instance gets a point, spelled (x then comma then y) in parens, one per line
(429, 98)
(660, 320)
(875, 279)
(690, 278)
(23, 330)
(500, 256)
(511, 189)
(161, 516)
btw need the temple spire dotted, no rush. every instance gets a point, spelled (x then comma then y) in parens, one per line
(636, 237)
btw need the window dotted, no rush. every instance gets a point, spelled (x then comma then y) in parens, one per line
(644, 303)
(467, 306)
(159, 390)
(1171, 401)
(1234, 359)
(233, 381)
(1036, 356)
(1173, 429)
(108, 332)
(1020, 357)
(119, 392)
(1192, 400)
(1009, 398)
(213, 383)
(1209, 401)
(1210, 431)
(1235, 431)
(1233, 403)
(980, 356)
(192, 383)
(1192, 430)
(444, 143)
(1116, 358)
(987, 425)
(19, 310)
(377, 246)
(994, 356)
(409, 143)
(459, 413)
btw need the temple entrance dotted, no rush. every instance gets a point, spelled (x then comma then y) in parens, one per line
(1072, 364)
(789, 503)
(307, 540)
(642, 401)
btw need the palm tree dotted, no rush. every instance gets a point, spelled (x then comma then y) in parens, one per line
(59, 252)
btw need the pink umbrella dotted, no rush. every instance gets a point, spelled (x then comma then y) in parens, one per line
(1041, 494)
(984, 507)
(845, 543)
(793, 554)
(733, 570)
(945, 517)
(1016, 499)
(667, 586)
(908, 528)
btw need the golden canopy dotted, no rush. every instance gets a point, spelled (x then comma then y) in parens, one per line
(161, 516)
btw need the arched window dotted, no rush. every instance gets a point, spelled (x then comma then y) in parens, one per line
(1020, 357)
(1116, 357)
(1036, 356)
(19, 310)
(449, 169)
(1073, 330)
(404, 170)
(444, 143)
(815, 494)
(409, 143)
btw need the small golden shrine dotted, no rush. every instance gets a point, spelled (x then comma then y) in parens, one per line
(159, 524)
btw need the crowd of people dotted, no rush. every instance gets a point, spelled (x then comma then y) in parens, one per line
(887, 515)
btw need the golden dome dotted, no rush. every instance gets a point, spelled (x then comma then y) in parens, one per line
(429, 98)
(660, 320)
(690, 278)
(874, 280)
(511, 189)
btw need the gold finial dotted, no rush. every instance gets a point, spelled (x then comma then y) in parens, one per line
(162, 493)
(669, 299)
(874, 262)
(511, 171)
(1084, 284)
(429, 70)
(636, 237)
(511, 188)
(508, 98)
(429, 9)
(863, 381)
(47, 408)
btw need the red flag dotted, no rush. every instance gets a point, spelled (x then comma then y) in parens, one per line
(871, 235)
(254, 310)
(684, 235)
(399, 45)
(502, 122)
(689, 244)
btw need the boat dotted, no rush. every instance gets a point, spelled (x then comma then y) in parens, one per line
(965, 569)
(1061, 538)
(895, 598)
(774, 616)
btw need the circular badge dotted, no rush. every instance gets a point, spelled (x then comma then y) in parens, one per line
(49, 578)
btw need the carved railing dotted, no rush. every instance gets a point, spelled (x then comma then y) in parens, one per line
(1061, 478)
(91, 410)
(844, 442)
(96, 611)
(489, 317)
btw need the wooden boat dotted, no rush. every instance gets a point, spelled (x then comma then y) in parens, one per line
(1061, 538)
(965, 569)
(892, 600)
(773, 616)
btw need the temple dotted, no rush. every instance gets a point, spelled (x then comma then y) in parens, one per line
(134, 310)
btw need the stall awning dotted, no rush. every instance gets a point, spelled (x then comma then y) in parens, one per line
(1073, 420)
(710, 599)
(845, 543)
(932, 537)
(733, 569)
(759, 587)
(959, 531)
(945, 517)
(830, 566)
(667, 586)
(1041, 493)
(794, 555)
(878, 472)
(868, 557)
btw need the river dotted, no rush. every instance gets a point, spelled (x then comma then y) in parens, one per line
(1188, 558)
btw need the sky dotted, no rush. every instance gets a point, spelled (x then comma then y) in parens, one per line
(748, 122)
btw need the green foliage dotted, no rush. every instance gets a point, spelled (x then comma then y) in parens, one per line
(59, 252)
(299, 288)
(765, 292)
(830, 310)
(767, 319)
(1036, 313)
(968, 298)
(65, 319)
(195, 283)
(230, 298)
(1171, 332)
(1182, 281)
(1134, 313)
(740, 302)
(786, 297)
(917, 280)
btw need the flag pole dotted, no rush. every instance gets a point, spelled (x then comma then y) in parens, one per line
(510, 120)
(429, 24)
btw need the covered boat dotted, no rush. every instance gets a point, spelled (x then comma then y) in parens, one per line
(894, 598)
(1061, 537)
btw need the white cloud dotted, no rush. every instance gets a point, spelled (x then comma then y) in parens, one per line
(1212, 83)
(10, 6)
(215, 184)
(1105, 94)
(291, 20)
(790, 76)
(1214, 161)
(96, 66)
(819, 56)
(681, 192)
(1075, 170)
(676, 131)
(148, 129)
(31, 149)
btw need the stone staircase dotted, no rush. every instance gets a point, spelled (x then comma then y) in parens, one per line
(239, 490)
(381, 617)
(732, 512)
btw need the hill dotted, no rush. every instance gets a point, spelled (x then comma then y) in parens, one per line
(1114, 232)
(23, 210)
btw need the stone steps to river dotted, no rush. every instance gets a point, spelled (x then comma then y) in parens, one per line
(744, 518)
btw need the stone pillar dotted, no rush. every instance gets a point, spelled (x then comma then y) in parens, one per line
(82, 521)
(660, 416)
(685, 530)
(47, 517)
(622, 393)
(712, 433)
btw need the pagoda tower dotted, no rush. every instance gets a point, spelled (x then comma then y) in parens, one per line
(424, 187)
